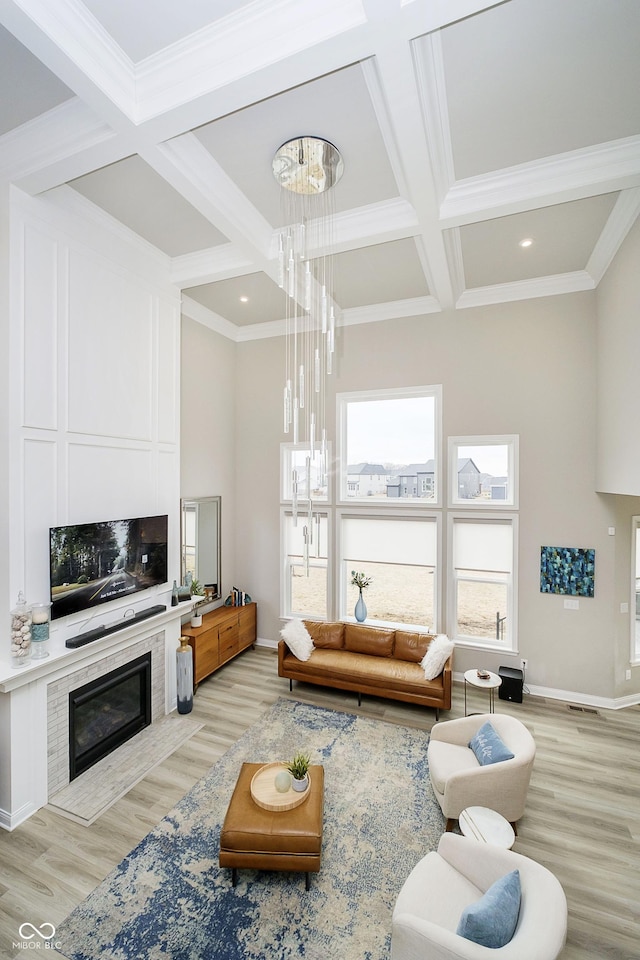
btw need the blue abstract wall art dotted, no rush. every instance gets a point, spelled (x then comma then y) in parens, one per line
(567, 570)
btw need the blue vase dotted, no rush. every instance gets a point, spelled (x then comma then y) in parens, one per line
(361, 609)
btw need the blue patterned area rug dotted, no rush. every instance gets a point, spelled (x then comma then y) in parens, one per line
(170, 899)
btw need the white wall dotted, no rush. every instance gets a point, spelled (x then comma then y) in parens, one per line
(618, 383)
(95, 360)
(526, 368)
(208, 429)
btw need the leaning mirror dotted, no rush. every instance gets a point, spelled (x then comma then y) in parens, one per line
(201, 543)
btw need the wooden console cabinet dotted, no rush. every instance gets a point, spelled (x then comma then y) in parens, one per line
(225, 632)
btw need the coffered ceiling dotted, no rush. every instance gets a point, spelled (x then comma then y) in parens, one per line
(465, 126)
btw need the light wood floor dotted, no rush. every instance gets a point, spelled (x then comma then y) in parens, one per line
(582, 819)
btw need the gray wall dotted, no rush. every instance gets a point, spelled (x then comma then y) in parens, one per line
(527, 368)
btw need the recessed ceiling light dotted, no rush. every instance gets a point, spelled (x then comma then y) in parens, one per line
(244, 299)
(527, 242)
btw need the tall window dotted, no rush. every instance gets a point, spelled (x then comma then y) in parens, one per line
(389, 446)
(305, 556)
(399, 555)
(481, 580)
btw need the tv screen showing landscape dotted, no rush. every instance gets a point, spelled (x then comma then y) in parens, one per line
(93, 563)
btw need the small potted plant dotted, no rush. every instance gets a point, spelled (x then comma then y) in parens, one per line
(196, 591)
(299, 770)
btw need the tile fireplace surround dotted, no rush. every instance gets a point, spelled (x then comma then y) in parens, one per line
(34, 745)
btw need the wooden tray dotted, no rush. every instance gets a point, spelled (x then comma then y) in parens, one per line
(264, 793)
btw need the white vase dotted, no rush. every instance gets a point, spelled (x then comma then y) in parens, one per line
(300, 785)
(196, 619)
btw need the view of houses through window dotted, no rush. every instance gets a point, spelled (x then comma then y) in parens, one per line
(432, 565)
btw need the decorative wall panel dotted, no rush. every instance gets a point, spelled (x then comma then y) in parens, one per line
(40, 318)
(110, 352)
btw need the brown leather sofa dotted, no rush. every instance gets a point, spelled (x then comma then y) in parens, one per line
(373, 660)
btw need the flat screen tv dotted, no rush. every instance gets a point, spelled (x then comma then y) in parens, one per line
(93, 563)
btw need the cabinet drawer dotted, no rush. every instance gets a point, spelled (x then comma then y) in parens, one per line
(228, 640)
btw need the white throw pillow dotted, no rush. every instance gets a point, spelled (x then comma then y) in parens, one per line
(436, 656)
(298, 639)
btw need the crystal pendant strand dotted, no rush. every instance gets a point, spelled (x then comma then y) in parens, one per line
(307, 168)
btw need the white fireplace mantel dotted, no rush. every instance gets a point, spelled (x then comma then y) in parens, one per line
(23, 705)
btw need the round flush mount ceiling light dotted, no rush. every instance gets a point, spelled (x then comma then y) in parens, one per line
(244, 299)
(307, 165)
(527, 242)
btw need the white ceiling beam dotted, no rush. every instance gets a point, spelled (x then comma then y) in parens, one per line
(552, 286)
(392, 83)
(575, 175)
(191, 170)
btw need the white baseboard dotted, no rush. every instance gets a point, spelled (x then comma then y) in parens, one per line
(9, 821)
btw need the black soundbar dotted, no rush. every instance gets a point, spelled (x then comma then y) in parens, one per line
(104, 631)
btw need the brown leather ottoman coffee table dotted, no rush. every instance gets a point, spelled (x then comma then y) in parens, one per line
(256, 839)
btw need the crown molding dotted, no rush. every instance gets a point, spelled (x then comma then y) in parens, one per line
(567, 176)
(432, 91)
(244, 42)
(208, 318)
(393, 310)
(551, 286)
(208, 266)
(620, 221)
(61, 132)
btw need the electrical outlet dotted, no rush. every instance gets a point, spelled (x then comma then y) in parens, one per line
(523, 664)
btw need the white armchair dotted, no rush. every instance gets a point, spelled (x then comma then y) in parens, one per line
(444, 883)
(459, 781)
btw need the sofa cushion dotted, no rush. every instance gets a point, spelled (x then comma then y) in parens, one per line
(326, 635)
(374, 641)
(489, 747)
(411, 646)
(366, 672)
(492, 920)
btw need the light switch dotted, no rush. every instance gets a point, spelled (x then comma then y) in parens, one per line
(571, 604)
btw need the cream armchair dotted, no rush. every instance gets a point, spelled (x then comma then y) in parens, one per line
(444, 883)
(459, 781)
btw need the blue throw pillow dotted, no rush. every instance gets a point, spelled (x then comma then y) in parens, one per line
(488, 747)
(491, 921)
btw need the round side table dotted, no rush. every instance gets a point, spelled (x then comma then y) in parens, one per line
(486, 826)
(491, 684)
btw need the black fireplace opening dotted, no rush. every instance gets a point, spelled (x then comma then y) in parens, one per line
(108, 711)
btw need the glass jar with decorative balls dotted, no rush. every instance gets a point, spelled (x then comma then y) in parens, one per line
(20, 633)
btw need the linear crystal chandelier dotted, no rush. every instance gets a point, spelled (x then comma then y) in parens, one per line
(307, 168)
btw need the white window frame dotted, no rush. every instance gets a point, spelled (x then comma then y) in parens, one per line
(400, 393)
(286, 612)
(511, 640)
(286, 461)
(634, 656)
(508, 440)
(341, 571)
